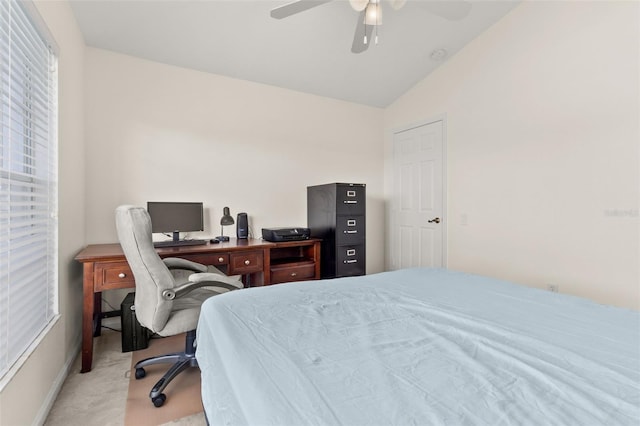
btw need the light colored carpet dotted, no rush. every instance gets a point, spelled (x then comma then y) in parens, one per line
(100, 396)
(97, 397)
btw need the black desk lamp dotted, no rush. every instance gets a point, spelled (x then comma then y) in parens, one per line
(227, 219)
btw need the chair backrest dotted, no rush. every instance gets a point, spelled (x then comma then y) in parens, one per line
(151, 274)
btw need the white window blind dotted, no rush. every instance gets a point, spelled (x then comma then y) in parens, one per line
(28, 182)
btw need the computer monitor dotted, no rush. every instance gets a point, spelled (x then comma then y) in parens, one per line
(175, 217)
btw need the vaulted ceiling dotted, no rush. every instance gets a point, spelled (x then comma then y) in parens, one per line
(308, 52)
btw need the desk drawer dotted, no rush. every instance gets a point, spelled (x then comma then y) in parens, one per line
(284, 274)
(111, 275)
(245, 263)
(216, 259)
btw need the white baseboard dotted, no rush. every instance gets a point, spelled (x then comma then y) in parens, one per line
(47, 404)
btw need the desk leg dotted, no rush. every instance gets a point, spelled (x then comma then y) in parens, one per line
(266, 270)
(97, 314)
(88, 301)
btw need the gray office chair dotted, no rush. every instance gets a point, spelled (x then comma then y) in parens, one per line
(169, 293)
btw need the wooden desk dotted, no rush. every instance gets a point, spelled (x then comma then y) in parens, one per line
(260, 263)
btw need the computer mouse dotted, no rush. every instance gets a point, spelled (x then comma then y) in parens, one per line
(214, 241)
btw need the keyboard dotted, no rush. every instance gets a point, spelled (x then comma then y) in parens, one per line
(179, 243)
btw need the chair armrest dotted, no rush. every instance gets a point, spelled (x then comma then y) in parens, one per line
(205, 279)
(178, 263)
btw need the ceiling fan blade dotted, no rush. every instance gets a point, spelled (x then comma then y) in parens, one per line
(452, 10)
(359, 45)
(294, 7)
(397, 4)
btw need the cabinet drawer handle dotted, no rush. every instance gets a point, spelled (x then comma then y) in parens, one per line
(293, 274)
(351, 201)
(351, 232)
(247, 262)
(351, 261)
(351, 252)
(122, 275)
(220, 259)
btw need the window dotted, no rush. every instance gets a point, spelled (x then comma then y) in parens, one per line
(28, 180)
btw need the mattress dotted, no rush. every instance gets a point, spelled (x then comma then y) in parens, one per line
(416, 347)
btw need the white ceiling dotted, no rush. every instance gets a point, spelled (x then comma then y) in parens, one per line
(308, 52)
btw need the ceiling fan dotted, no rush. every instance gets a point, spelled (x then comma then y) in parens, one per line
(371, 15)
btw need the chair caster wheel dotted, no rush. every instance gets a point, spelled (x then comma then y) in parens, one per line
(140, 373)
(159, 400)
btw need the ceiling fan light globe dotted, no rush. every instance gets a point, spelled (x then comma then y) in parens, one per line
(373, 14)
(358, 5)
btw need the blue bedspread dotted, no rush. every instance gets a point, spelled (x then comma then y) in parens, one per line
(417, 347)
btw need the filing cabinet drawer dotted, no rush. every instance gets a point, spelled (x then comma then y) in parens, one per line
(283, 274)
(245, 262)
(350, 260)
(112, 275)
(350, 270)
(350, 229)
(350, 199)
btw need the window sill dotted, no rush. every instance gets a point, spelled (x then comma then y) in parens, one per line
(17, 366)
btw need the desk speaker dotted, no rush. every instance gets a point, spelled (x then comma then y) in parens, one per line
(242, 227)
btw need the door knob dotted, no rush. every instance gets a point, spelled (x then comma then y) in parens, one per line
(436, 220)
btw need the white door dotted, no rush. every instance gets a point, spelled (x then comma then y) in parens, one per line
(417, 212)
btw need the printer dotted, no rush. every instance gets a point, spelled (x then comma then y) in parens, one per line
(276, 235)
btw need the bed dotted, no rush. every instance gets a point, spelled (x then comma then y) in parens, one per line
(417, 347)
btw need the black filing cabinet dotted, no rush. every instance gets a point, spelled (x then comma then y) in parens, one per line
(336, 214)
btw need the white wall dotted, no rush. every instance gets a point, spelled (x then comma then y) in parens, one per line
(162, 133)
(27, 397)
(543, 148)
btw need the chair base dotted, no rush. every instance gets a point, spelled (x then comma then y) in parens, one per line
(180, 361)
